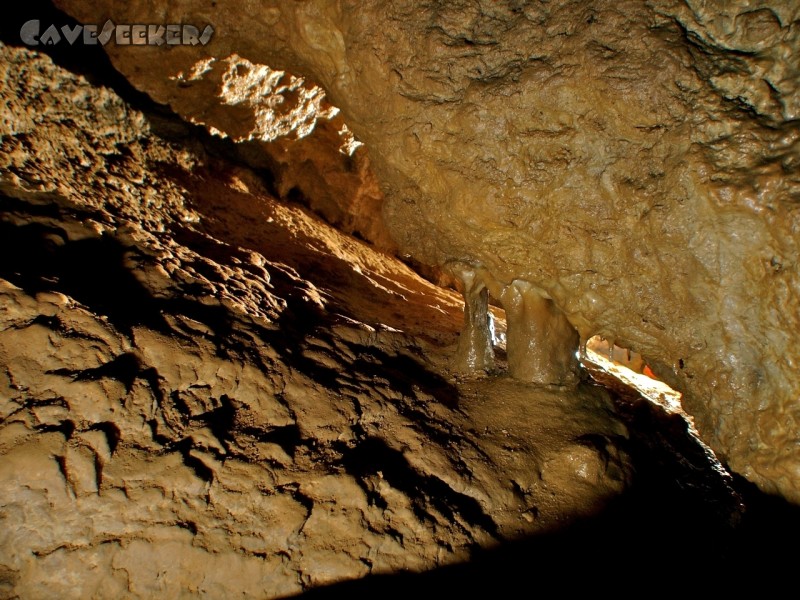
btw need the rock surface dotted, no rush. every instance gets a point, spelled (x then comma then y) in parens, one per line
(638, 162)
(205, 391)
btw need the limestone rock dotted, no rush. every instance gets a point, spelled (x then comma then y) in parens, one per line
(207, 392)
(636, 161)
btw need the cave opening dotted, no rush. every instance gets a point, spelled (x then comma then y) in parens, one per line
(630, 369)
(626, 374)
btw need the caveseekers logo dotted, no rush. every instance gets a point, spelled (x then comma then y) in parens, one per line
(32, 34)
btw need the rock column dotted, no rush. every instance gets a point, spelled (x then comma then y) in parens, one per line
(540, 341)
(474, 352)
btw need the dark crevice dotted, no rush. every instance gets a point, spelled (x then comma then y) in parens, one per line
(51, 322)
(200, 469)
(222, 420)
(374, 498)
(373, 456)
(61, 461)
(293, 489)
(158, 437)
(112, 432)
(98, 471)
(67, 427)
(189, 526)
(287, 437)
(152, 378)
(180, 403)
(124, 368)
(59, 401)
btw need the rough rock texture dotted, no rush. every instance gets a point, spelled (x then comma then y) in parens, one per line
(282, 124)
(207, 392)
(636, 161)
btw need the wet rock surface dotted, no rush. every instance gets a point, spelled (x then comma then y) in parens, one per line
(637, 162)
(205, 391)
(209, 392)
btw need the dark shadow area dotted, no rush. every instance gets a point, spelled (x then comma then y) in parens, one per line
(372, 455)
(288, 437)
(295, 324)
(40, 258)
(680, 527)
(407, 376)
(669, 451)
(200, 469)
(97, 272)
(221, 420)
(653, 539)
(125, 368)
(112, 433)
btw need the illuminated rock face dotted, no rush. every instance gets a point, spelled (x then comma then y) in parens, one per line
(475, 351)
(637, 162)
(208, 392)
(541, 344)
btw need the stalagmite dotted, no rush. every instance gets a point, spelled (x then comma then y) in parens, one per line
(541, 343)
(474, 352)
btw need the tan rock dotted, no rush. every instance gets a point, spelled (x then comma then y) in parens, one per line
(208, 392)
(635, 161)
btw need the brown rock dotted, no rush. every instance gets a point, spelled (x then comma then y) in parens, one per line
(205, 391)
(635, 161)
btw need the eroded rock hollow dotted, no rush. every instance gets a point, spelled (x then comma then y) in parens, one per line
(213, 358)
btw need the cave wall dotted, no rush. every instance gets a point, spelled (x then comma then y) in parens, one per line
(206, 391)
(636, 161)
